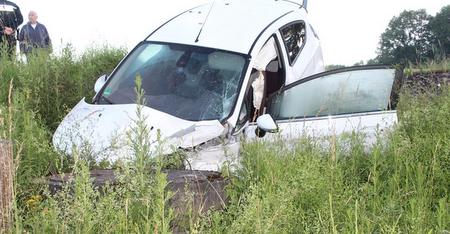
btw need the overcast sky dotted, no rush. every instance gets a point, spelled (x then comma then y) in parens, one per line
(349, 29)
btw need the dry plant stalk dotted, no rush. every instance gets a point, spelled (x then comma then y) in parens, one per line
(10, 107)
(7, 171)
(6, 184)
(2, 123)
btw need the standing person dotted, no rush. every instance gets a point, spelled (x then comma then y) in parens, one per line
(10, 19)
(33, 35)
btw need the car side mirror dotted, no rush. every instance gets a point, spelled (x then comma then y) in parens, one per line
(266, 123)
(100, 82)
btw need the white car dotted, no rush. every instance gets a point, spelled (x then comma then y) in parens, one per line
(212, 72)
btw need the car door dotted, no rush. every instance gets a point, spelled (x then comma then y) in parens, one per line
(302, 50)
(352, 99)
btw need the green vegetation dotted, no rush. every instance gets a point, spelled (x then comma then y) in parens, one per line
(400, 185)
(51, 85)
(34, 97)
(440, 28)
(415, 37)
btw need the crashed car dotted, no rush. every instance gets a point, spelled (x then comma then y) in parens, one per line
(222, 72)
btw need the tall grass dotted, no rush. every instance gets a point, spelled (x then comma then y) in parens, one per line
(51, 85)
(35, 96)
(401, 185)
(137, 204)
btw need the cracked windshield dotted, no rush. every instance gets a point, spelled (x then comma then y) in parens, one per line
(188, 82)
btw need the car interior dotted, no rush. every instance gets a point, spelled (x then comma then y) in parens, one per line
(272, 75)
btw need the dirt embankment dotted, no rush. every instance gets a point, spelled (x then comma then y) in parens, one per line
(427, 80)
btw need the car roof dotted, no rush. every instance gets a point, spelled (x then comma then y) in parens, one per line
(232, 25)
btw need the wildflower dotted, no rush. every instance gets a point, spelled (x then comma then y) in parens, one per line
(34, 202)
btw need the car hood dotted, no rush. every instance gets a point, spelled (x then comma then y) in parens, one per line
(105, 131)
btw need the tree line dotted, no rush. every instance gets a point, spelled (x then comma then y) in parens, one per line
(413, 37)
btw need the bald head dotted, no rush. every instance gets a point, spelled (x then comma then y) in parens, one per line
(32, 17)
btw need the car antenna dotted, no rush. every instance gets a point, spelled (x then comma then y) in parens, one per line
(206, 18)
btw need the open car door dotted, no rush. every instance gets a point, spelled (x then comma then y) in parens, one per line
(361, 99)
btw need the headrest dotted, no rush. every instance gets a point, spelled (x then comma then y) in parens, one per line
(225, 61)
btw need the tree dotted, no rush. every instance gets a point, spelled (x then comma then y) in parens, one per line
(406, 39)
(360, 63)
(440, 27)
(373, 61)
(333, 67)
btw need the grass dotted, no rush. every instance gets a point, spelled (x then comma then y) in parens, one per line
(51, 85)
(34, 97)
(401, 185)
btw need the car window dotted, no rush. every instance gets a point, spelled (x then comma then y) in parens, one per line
(189, 82)
(294, 38)
(334, 94)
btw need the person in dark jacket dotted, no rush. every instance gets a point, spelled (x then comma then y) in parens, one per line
(10, 19)
(33, 35)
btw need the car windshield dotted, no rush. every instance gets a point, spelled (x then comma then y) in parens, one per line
(188, 82)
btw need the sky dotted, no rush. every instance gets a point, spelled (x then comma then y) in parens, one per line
(349, 29)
